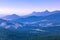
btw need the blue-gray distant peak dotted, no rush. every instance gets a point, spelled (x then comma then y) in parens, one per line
(11, 17)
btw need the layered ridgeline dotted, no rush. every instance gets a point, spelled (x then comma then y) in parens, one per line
(35, 26)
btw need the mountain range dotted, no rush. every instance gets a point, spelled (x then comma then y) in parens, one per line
(49, 19)
(37, 23)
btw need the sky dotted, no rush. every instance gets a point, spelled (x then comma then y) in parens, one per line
(25, 7)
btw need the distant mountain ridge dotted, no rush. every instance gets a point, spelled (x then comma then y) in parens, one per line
(36, 26)
(44, 13)
(35, 14)
(34, 23)
(11, 17)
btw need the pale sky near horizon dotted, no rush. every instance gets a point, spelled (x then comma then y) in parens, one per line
(24, 7)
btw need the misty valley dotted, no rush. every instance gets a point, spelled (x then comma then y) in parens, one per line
(36, 26)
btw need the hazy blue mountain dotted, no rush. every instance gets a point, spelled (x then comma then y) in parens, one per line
(38, 20)
(35, 16)
(25, 28)
(30, 19)
(34, 24)
(54, 17)
(44, 13)
(11, 17)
